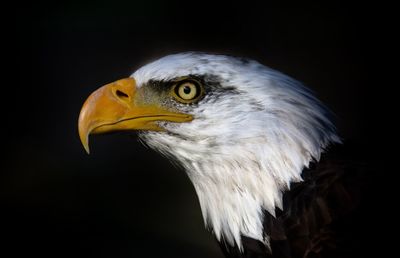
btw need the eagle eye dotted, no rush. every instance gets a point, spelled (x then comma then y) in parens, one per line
(187, 91)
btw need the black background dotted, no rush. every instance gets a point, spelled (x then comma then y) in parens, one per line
(124, 200)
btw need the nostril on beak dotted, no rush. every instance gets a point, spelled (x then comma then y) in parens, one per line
(123, 90)
(121, 94)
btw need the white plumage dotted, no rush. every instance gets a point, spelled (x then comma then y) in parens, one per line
(244, 147)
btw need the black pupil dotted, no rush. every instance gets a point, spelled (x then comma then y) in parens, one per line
(187, 89)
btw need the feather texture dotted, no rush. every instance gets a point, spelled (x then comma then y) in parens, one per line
(312, 212)
(246, 146)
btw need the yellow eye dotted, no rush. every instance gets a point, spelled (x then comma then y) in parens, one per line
(187, 91)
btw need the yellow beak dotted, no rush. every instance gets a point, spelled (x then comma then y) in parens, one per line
(116, 107)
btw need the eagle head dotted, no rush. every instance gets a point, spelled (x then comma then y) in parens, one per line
(242, 131)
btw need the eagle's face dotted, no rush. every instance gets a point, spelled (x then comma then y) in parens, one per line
(241, 131)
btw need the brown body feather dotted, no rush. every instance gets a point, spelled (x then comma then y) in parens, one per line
(310, 224)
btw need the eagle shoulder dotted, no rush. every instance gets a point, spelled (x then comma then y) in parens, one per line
(313, 211)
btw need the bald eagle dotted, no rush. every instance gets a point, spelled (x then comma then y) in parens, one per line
(254, 142)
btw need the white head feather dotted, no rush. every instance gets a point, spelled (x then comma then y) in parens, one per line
(245, 147)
